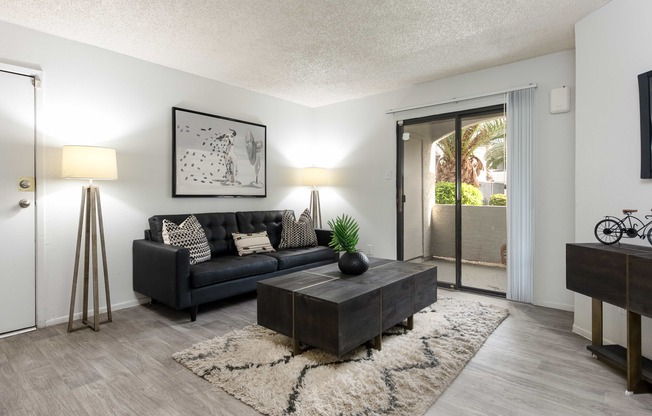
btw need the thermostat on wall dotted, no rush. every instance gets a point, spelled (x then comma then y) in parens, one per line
(559, 100)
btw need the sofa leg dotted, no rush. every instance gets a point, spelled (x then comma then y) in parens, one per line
(193, 313)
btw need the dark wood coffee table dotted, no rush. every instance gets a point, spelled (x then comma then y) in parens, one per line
(324, 308)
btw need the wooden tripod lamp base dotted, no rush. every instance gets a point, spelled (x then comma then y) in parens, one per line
(315, 177)
(90, 218)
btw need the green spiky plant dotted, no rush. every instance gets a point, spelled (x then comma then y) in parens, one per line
(345, 234)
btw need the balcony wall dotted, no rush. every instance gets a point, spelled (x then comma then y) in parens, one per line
(484, 231)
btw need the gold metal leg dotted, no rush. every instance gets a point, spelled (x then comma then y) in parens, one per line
(634, 354)
(596, 322)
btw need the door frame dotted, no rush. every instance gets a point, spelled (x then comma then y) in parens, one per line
(34, 72)
(400, 196)
(413, 202)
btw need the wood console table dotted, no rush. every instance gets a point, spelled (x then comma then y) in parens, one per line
(622, 276)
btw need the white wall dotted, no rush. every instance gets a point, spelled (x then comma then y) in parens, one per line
(613, 47)
(359, 143)
(95, 97)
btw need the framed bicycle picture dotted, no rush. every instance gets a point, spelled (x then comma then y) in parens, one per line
(217, 156)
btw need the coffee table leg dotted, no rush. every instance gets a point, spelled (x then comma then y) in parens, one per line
(296, 349)
(410, 323)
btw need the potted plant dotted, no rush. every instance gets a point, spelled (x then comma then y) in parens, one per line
(345, 239)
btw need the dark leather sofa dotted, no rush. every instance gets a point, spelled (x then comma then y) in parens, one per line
(164, 273)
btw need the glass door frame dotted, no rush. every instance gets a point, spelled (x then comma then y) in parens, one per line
(400, 195)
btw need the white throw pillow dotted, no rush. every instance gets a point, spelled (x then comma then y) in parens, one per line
(250, 243)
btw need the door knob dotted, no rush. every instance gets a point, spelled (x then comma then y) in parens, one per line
(26, 184)
(24, 203)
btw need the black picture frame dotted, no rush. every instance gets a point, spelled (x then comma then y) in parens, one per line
(216, 156)
(645, 99)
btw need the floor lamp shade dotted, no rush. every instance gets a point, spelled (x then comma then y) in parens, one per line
(92, 163)
(315, 177)
(89, 162)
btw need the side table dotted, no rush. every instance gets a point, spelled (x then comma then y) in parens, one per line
(620, 275)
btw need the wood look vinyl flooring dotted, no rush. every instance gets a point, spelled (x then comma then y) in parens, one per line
(531, 365)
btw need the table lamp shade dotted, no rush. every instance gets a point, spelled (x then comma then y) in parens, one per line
(314, 176)
(89, 162)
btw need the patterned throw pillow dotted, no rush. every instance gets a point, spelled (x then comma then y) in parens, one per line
(252, 243)
(297, 233)
(189, 234)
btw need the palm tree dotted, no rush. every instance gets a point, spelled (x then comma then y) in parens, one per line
(495, 155)
(474, 136)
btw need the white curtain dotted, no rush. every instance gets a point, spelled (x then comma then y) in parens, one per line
(520, 195)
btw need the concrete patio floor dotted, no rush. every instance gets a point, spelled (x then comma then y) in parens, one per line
(486, 277)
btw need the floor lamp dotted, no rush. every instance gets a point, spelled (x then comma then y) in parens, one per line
(315, 177)
(92, 163)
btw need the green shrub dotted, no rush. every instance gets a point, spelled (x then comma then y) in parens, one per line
(445, 194)
(498, 199)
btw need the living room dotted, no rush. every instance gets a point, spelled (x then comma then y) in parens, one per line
(97, 97)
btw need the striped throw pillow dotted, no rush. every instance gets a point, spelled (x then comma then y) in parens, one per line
(251, 243)
(299, 233)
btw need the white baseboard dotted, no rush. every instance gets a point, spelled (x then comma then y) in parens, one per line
(554, 305)
(585, 333)
(582, 332)
(114, 307)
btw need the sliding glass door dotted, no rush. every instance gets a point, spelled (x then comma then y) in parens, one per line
(451, 194)
(484, 213)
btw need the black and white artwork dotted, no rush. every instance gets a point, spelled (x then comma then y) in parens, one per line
(217, 156)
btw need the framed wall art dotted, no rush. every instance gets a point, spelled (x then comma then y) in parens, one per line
(217, 156)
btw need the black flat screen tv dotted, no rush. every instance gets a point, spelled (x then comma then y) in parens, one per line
(645, 98)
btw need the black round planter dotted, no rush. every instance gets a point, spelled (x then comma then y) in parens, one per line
(353, 263)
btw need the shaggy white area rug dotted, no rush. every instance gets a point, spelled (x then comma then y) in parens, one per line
(413, 368)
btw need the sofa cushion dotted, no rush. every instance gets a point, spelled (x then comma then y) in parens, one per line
(189, 234)
(299, 233)
(257, 221)
(218, 228)
(224, 268)
(252, 243)
(294, 257)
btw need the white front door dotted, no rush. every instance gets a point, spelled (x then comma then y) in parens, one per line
(17, 244)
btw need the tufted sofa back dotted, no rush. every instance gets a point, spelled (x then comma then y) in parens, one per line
(219, 227)
(257, 221)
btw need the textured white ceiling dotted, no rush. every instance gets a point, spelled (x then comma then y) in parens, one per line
(314, 52)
